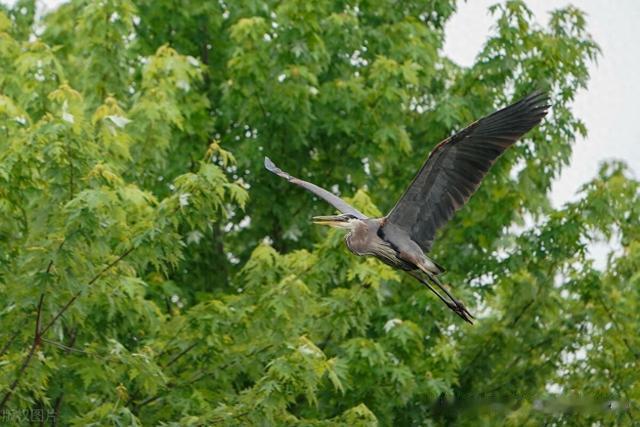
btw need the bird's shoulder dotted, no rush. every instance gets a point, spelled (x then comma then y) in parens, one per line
(399, 238)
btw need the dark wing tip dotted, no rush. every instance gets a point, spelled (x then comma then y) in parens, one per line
(518, 118)
(537, 101)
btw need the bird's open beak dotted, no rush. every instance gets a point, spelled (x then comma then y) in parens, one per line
(331, 220)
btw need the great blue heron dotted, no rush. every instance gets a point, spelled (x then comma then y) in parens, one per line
(447, 179)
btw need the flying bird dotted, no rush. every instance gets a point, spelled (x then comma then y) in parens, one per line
(444, 183)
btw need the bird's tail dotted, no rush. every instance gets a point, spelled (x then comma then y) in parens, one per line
(434, 267)
(449, 300)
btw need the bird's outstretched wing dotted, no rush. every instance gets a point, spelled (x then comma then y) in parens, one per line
(327, 196)
(456, 166)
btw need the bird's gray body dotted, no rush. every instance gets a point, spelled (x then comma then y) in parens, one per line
(451, 174)
(390, 244)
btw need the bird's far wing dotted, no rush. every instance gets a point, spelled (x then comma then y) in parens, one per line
(456, 166)
(327, 196)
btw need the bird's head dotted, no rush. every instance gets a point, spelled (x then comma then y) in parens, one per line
(347, 221)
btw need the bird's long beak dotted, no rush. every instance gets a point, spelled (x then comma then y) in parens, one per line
(331, 220)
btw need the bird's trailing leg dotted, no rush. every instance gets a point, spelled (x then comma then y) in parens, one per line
(450, 301)
(459, 305)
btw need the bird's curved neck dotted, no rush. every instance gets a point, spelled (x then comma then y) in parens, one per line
(359, 238)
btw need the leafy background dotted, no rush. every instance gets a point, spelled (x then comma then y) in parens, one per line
(152, 272)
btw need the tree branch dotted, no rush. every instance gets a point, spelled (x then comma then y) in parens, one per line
(66, 348)
(29, 356)
(37, 339)
(623, 333)
(182, 353)
(39, 332)
(166, 346)
(77, 294)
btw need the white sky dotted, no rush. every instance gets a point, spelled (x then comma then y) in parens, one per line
(609, 107)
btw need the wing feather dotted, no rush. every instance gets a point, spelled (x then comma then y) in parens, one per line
(457, 165)
(327, 196)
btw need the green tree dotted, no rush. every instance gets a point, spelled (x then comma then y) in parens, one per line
(148, 275)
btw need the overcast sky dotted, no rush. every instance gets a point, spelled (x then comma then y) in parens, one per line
(609, 106)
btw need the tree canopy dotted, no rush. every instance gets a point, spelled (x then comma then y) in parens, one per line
(153, 273)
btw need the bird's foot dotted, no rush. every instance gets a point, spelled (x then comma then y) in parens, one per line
(459, 308)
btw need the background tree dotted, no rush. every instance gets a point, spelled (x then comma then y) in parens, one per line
(151, 276)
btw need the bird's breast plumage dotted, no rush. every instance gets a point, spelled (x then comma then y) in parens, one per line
(359, 239)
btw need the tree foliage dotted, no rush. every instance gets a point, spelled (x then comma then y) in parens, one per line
(152, 273)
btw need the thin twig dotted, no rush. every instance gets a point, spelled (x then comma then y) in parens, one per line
(623, 333)
(65, 347)
(166, 346)
(517, 318)
(77, 294)
(182, 353)
(37, 333)
(61, 311)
